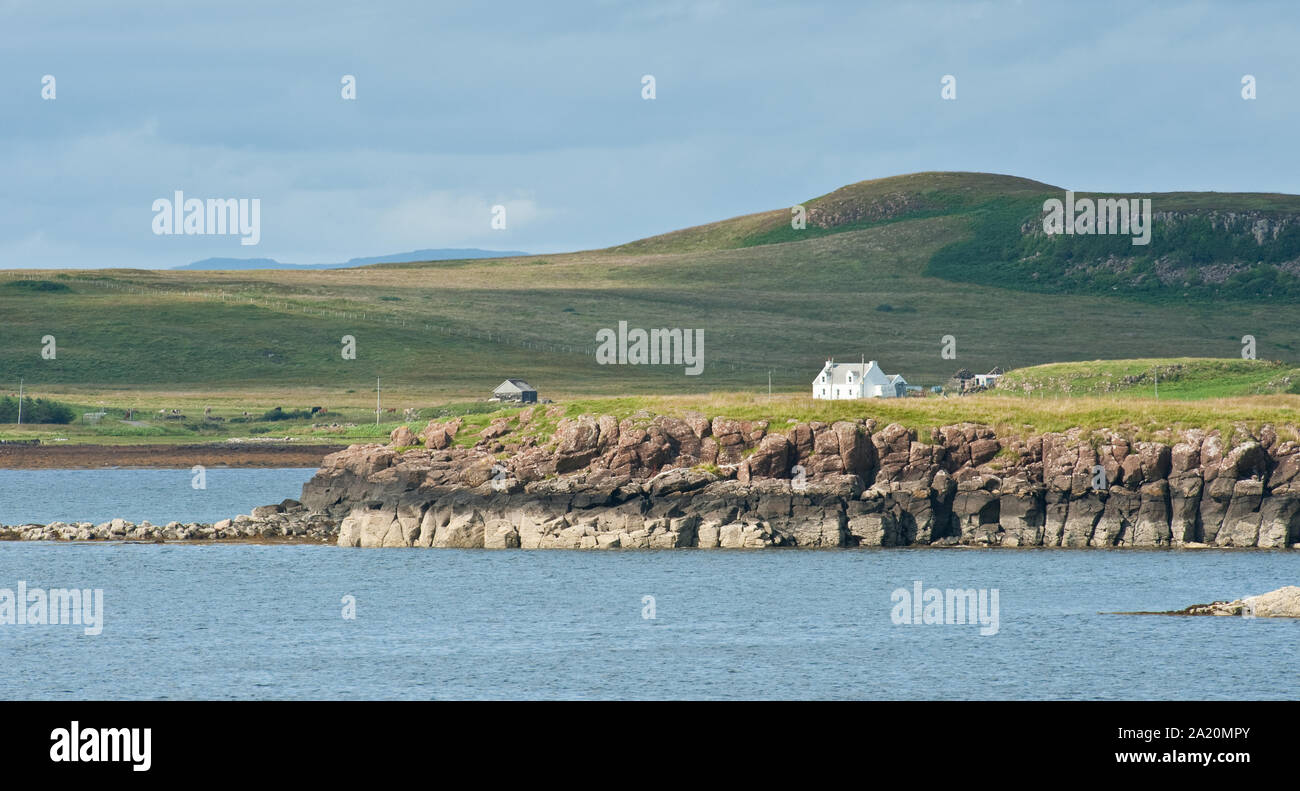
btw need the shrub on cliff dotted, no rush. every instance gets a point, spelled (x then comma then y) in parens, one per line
(294, 414)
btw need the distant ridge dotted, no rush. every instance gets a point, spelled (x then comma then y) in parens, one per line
(441, 254)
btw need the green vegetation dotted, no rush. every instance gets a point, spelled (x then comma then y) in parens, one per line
(1011, 415)
(873, 273)
(1207, 252)
(36, 285)
(1206, 394)
(856, 207)
(276, 414)
(34, 410)
(460, 409)
(1186, 378)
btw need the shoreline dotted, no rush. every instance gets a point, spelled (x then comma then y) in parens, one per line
(251, 455)
(192, 542)
(8, 536)
(546, 480)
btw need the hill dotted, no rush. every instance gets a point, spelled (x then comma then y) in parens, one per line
(874, 274)
(854, 207)
(1203, 246)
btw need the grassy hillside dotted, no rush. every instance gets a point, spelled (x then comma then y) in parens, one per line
(1185, 378)
(860, 280)
(1203, 247)
(854, 207)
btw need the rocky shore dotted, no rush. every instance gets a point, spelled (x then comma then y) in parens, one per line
(543, 480)
(1281, 603)
(654, 481)
(289, 521)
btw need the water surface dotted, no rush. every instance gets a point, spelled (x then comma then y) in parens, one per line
(160, 496)
(245, 621)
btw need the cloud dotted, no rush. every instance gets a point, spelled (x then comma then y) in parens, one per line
(443, 215)
(538, 107)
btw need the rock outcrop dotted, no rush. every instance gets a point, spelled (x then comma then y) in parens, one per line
(287, 521)
(1281, 603)
(650, 481)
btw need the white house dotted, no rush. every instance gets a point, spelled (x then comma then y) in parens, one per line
(857, 380)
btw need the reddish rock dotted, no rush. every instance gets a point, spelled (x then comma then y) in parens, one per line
(498, 428)
(772, 459)
(575, 435)
(402, 437)
(983, 450)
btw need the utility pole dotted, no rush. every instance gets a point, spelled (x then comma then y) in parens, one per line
(20, 400)
(376, 400)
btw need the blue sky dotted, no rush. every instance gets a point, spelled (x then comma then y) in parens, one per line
(537, 107)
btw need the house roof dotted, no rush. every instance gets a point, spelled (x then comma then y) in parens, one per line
(514, 386)
(869, 372)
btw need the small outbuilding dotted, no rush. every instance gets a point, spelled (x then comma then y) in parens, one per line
(990, 379)
(515, 390)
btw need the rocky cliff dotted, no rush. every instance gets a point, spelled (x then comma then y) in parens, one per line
(657, 481)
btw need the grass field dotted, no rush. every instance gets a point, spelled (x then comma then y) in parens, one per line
(1198, 393)
(1185, 378)
(439, 332)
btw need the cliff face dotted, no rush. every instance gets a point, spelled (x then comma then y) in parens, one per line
(656, 481)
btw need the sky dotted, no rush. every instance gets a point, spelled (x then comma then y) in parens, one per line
(539, 108)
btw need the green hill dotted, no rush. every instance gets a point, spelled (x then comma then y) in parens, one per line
(1204, 245)
(1184, 378)
(886, 268)
(857, 206)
